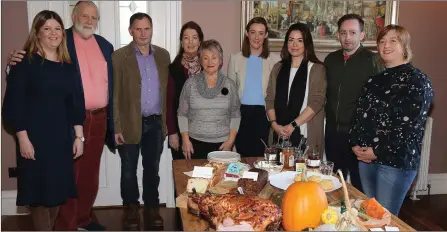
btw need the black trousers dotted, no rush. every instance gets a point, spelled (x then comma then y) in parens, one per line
(254, 127)
(176, 155)
(339, 152)
(201, 149)
(151, 146)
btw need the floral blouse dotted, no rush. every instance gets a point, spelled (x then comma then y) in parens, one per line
(391, 114)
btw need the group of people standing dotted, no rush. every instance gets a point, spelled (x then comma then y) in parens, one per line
(69, 92)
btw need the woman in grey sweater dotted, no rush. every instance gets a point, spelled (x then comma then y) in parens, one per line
(208, 113)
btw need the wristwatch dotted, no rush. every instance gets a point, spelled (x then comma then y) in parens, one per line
(80, 138)
(294, 124)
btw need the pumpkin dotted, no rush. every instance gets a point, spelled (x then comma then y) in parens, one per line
(302, 205)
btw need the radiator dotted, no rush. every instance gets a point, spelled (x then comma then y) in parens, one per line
(422, 177)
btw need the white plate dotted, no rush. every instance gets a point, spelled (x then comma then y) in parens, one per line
(283, 180)
(224, 156)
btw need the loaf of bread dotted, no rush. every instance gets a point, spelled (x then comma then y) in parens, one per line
(251, 187)
(199, 184)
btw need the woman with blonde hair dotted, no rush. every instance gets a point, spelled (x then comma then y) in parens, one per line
(388, 126)
(208, 114)
(44, 105)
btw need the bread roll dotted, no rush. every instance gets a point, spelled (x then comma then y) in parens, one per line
(326, 184)
(314, 178)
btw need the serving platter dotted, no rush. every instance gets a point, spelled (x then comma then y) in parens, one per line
(283, 180)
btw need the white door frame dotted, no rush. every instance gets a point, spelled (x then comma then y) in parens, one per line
(166, 17)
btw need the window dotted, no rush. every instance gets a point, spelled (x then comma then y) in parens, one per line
(127, 9)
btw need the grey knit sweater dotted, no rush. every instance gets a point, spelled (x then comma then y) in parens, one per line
(207, 114)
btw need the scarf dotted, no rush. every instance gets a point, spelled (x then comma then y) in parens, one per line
(288, 110)
(203, 89)
(192, 64)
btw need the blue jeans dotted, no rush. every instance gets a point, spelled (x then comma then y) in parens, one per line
(151, 146)
(387, 184)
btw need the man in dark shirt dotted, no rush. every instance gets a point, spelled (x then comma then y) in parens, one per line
(347, 70)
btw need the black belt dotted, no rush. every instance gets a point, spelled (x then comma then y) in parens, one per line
(153, 116)
(253, 106)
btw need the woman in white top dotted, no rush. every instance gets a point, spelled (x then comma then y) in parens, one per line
(250, 69)
(297, 89)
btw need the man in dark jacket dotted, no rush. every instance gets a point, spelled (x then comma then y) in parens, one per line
(347, 71)
(92, 55)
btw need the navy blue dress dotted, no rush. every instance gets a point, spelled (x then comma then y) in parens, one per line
(45, 98)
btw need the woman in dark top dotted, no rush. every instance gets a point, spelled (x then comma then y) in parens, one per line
(44, 105)
(389, 123)
(296, 90)
(185, 65)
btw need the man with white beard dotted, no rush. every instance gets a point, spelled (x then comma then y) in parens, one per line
(93, 56)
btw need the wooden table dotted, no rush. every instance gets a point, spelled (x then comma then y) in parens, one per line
(194, 223)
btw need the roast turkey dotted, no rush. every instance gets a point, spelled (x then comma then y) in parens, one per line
(234, 212)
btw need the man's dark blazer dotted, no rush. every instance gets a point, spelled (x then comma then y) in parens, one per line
(107, 50)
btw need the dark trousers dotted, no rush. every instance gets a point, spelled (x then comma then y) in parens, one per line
(339, 152)
(151, 145)
(254, 127)
(201, 149)
(75, 213)
(176, 155)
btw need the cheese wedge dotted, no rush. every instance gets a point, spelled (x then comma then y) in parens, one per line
(200, 184)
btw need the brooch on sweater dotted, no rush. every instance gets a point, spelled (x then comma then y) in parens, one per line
(224, 91)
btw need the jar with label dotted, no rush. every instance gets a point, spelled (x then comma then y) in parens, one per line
(300, 160)
(313, 159)
(270, 154)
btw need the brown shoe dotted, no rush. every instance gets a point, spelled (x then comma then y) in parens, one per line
(153, 219)
(132, 220)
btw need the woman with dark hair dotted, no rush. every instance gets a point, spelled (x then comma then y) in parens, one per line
(297, 89)
(44, 104)
(250, 70)
(185, 65)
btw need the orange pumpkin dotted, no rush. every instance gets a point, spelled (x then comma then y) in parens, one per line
(302, 205)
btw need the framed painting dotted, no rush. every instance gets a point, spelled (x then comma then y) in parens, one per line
(321, 16)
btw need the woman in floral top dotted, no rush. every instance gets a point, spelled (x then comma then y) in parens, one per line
(389, 122)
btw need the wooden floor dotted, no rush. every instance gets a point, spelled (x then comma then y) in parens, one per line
(426, 214)
(111, 217)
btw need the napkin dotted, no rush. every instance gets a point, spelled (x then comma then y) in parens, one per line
(188, 173)
(376, 229)
(391, 228)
